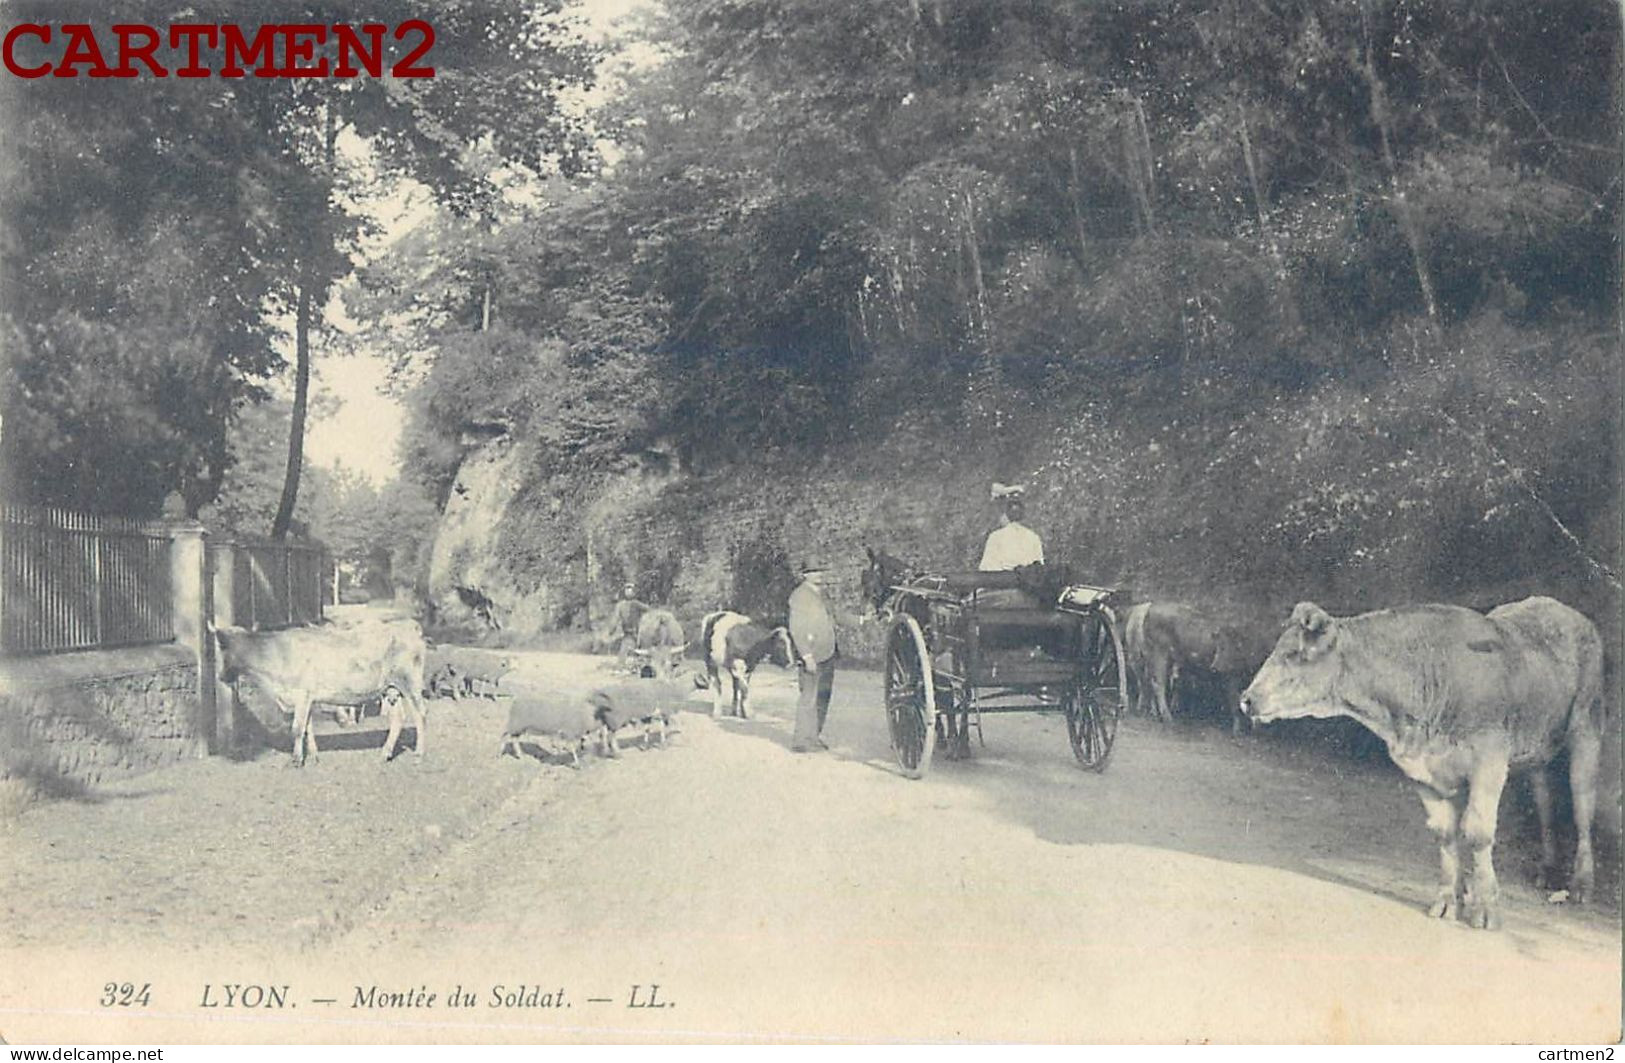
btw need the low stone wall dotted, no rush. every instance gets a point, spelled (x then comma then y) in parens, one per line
(71, 721)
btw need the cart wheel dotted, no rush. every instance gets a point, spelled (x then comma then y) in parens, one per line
(911, 699)
(1095, 702)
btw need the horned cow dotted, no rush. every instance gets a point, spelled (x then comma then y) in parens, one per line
(1460, 699)
(661, 641)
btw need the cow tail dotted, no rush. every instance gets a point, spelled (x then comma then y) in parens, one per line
(1606, 701)
(1594, 708)
(707, 627)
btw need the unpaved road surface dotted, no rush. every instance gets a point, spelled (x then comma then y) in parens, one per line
(1203, 887)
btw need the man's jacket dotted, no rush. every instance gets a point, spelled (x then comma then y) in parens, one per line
(811, 626)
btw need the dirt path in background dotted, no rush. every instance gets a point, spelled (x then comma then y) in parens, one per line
(1202, 887)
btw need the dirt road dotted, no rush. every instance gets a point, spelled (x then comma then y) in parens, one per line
(1201, 888)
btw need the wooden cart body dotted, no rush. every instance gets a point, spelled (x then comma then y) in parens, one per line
(964, 644)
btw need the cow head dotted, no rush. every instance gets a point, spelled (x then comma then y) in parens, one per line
(1300, 676)
(663, 664)
(783, 652)
(233, 650)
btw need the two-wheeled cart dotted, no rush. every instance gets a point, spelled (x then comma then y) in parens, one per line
(961, 645)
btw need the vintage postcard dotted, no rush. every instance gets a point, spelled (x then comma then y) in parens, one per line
(810, 521)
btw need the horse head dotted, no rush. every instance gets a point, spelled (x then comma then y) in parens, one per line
(880, 575)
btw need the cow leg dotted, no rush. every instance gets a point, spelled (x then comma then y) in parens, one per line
(1481, 900)
(419, 720)
(1584, 751)
(1161, 679)
(301, 727)
(716, 693)
(1444, 819)
(1239, 724)
(1540, 789)
(742, 695)
(396, 715)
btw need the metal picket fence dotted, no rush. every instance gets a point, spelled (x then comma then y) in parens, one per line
(265, 584)
(73, 581)
(77, 581)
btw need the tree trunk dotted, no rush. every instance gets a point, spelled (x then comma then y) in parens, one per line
(1076, 195)
(1289, 299)
(1258, 192)
(1140, 166)
(302, 324)
(1402, 208)
(974, 253)
(296, 430)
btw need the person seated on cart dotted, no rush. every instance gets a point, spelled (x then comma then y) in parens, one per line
(1012, 544)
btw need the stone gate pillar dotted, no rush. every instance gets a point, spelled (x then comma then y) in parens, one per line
(192, 598)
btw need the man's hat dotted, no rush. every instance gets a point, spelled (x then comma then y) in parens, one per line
(813, 566)
(1008, 492)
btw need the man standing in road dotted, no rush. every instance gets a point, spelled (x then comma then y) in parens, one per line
(622, 630)
(813, 631)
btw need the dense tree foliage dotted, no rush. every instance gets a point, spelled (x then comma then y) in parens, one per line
(1203, 226)
(1219, 232)
(160, 233)
(820, 209)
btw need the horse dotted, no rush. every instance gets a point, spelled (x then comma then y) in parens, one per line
(883, 572)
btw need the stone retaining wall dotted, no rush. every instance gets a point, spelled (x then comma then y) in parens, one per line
(71, 721)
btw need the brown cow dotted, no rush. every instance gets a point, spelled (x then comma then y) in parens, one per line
(1460, 699)
(661, 641)
(332, 663)
(1171, 649)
